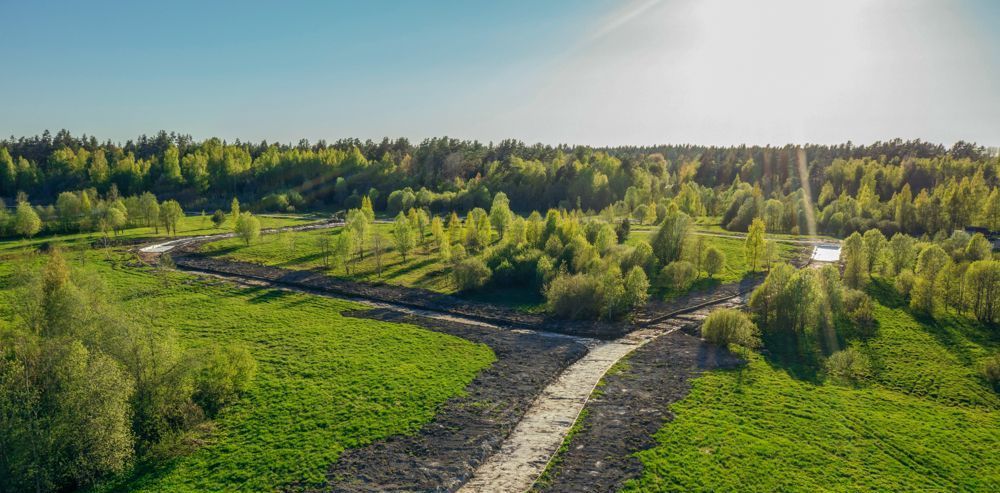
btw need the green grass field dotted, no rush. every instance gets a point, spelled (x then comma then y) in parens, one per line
(325, 382)
(926, 422)
(188, 226)
(736, 267)
(713, 224)
(424, 269)
(300, 250)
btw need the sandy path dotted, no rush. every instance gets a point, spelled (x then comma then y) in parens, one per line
(526, 452)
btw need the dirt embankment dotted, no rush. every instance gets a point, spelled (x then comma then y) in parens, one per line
(468, 428)
(422, 299)
(622, 418)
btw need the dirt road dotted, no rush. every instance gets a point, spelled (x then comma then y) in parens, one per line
(532, 445)
(523, 455)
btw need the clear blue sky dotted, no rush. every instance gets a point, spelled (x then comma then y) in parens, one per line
(582, 71)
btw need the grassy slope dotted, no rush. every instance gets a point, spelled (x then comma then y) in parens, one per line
(735, 268)
(926, 423)
(300, 250)
(325, 382)
(188, 226)
(712, 224)
(422, 269)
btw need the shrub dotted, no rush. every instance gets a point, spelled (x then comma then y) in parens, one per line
(622, 230)
(991, 371)
(277, 202)
(636, 287)
(247, 228)
(728, 326)
(859, 309)
(218, 217)
(576, 297)
(471, 274)
(678, 275)
(544, 270)
(225, 373)
(848, 365)
(714, 261)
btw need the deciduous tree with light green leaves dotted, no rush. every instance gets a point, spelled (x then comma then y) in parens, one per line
(247, 228)
(982, 287)
(636, 287)
(754, 244)
(500, 214)
(357, 221)
(149, 211)
(342, 247)
(874, 246)
(402, 235)
(668, 241)
(234, 211)
(715, 260)
(924, 297)
(855, 261)
(26, 220)
(170, 215)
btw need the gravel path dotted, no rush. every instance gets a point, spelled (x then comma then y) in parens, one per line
(469, 427)
(632, 406)
(529, 449)
(523, 456)
(441, 457)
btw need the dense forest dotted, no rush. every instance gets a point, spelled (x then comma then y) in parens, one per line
(897, 186)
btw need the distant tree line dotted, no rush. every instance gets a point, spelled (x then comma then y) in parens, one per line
(908, 186)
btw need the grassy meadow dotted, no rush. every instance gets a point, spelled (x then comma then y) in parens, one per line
(188, 226)
(925, 421)
(326, 382)
(423, 268)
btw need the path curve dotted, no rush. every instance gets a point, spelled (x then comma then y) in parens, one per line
(167, 246)
(526, 452)
(528, 449)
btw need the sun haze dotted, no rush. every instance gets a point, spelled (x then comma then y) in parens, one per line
(588, 72)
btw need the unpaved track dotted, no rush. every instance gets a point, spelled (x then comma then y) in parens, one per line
(167, 246)
(527, 451)
(523, 456)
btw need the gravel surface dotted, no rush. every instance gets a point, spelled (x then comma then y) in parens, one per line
(629, 409)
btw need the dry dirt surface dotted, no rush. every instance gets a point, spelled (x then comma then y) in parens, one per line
(468, 428)
(631, 406)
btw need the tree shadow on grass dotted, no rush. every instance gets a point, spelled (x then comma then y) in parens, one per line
(952, 330)
(312, 257)
(145, 473)
(785, 352)
(881, 291)
(269, 295)
(219, 252)
(408, 267)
